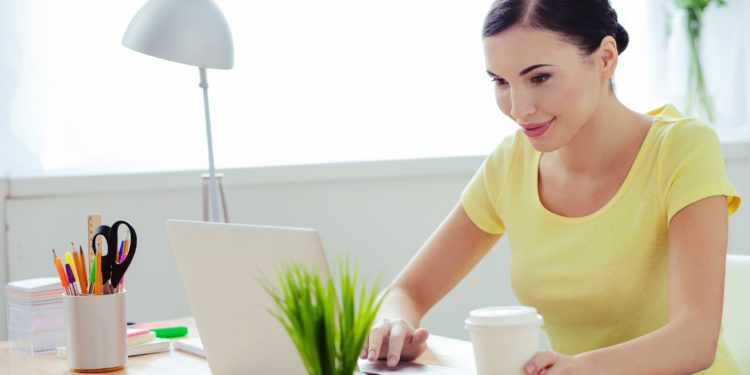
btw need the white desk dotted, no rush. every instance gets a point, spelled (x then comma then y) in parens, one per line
(442, 351)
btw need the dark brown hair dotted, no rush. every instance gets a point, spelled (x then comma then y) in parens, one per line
(584, 23)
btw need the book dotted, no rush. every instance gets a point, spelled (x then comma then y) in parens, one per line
(141, 338)
(156, 345)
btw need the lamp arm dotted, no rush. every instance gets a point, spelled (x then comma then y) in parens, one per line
(212, 185)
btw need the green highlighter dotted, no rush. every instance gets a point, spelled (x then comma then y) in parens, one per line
(170, 332)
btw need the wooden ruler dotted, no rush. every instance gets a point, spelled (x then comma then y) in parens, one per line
(94, 221)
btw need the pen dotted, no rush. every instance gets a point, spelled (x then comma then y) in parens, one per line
(78, 269)
(61, 272)
(127, 242)
(92, 276)
(69, 259)
(71, 279)
(169, 332)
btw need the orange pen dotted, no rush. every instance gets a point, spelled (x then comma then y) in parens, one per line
(60, 272)
(98, 275)
(81, 267)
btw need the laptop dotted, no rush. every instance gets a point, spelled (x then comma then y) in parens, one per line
(219, 265)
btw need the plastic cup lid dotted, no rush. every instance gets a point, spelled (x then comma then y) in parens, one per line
(503, 316)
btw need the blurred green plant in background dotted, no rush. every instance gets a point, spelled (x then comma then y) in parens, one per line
(697, 100)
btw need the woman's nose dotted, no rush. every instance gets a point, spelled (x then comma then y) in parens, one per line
(521, 106)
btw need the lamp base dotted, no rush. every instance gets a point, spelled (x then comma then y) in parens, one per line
(205, 182)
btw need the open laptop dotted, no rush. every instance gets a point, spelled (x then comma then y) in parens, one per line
(220, 265)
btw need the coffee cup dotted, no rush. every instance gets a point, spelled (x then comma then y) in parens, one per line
(504, 338)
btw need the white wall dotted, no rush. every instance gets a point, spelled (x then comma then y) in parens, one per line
(3, 257)
(380, 212)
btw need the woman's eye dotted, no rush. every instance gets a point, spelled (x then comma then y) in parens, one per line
(499, 81)
(540, 78)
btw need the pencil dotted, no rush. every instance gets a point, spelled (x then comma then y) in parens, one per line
(78, 270)
(82, 270)
(98, 271)
(60, 272)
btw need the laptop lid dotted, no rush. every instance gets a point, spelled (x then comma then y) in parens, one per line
(219, 265)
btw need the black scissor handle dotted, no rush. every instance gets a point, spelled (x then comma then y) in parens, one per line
(111, 269)
(106, 269)
(118, 269)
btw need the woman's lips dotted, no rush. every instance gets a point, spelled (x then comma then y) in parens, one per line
(536, 130)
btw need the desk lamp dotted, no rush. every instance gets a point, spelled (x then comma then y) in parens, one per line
(192, 32)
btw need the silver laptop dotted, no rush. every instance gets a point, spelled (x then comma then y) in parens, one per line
(219, 265)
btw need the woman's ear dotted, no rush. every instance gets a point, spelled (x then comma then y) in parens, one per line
(606, 57)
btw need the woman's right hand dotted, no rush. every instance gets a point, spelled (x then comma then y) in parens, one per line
(395, 340)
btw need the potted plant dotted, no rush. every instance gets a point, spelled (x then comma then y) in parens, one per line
(328, 324)
(698, 101)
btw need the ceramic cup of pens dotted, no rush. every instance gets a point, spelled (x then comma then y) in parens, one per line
(95, 328)
(94, 300)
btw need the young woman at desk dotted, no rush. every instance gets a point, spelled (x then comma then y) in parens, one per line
(617, 220)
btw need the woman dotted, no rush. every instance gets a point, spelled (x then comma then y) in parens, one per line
(617, 220)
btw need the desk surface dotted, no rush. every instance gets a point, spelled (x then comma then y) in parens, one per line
(442, 351)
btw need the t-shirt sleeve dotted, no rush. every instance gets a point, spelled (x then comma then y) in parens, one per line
(693, 168)
(481, 196)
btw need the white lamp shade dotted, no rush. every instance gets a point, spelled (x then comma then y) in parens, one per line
(192, 32)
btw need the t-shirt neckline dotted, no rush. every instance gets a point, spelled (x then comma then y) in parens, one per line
(612, 201)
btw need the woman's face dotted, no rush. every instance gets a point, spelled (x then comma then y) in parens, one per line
(543, 83)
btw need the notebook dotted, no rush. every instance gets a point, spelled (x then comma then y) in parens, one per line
(157, 345)
(192, 346)
(220, 265)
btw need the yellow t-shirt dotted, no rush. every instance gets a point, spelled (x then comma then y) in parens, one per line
(601, 279)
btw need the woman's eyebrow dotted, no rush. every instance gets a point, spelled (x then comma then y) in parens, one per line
(523, 72)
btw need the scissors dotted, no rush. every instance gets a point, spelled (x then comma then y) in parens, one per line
(113, 269)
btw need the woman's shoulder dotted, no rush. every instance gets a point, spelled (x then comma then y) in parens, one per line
(510, 149)
(674, 129)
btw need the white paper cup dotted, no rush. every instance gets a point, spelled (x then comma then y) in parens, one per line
(95, 330)
(504, 338)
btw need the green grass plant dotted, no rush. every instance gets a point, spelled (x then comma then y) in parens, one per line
(328, 323)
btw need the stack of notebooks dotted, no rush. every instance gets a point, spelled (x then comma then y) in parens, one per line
(140, 341)
(35, 314)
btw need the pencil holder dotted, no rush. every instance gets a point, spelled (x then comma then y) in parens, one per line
(95, 329)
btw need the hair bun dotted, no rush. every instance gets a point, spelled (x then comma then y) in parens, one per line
(622, 38)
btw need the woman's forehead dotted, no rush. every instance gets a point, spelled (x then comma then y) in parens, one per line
(522, 46)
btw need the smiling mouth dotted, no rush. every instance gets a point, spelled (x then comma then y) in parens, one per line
(538, 125)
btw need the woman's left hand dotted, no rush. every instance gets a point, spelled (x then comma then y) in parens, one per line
(551, 363)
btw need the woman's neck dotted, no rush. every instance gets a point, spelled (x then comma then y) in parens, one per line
(612, 136)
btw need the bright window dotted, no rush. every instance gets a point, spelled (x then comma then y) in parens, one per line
(313, 82)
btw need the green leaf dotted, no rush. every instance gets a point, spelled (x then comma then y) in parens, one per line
(327, 326)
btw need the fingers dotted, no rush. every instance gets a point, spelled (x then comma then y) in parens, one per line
(377, 333)
(540, 362)
(416, 345)
(394, 340)
(400, 333)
